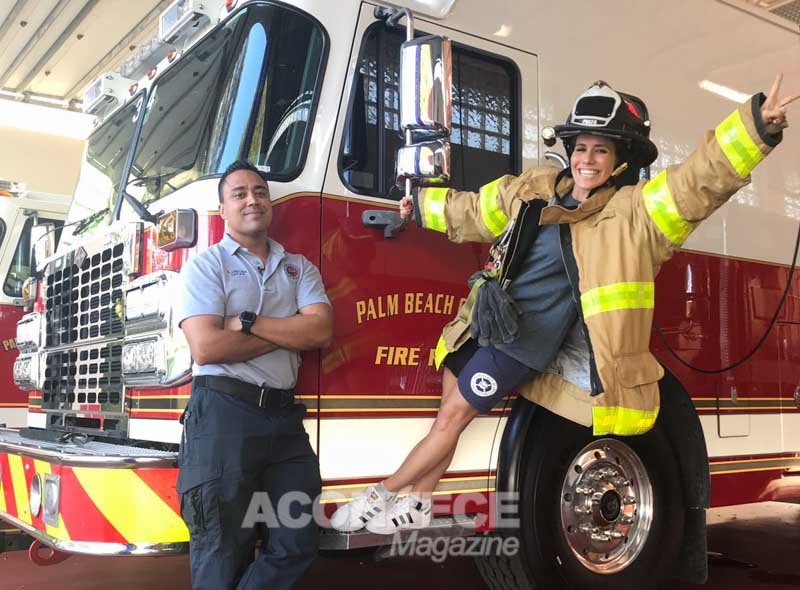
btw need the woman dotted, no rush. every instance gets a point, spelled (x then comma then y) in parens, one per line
(594, 234)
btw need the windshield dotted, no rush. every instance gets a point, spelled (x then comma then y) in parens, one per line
(247, 90)
(101, 171)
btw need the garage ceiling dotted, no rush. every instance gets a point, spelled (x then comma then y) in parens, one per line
(53, 49)
(788, 9)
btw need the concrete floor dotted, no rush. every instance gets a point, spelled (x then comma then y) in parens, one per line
(764, 535)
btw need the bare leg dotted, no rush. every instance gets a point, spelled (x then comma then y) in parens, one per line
(425, 486)
(427, 483)
(439, 444)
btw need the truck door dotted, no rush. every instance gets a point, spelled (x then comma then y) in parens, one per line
(391, 297)
(15, 245)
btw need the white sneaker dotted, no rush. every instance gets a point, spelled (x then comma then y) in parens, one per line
(361, 510)
(407, 513)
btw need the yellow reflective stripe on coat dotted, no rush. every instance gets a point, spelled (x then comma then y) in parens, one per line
(664, 212)
(494, 218)
(622, 421)
(737, 145)
(433, 208)
(439, 353)
(631, 295)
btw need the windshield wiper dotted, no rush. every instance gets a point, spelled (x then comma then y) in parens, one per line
(141, 180)
(137, 206)
(82, 224)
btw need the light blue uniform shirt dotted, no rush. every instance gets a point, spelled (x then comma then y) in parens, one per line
(227, 279)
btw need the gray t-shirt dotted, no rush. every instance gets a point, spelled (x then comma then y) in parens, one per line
(543, 293)
(227, 279)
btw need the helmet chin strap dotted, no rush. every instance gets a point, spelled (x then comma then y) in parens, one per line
(610, 182)
(619, 169)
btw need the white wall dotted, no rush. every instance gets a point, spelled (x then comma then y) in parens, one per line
(46, 163)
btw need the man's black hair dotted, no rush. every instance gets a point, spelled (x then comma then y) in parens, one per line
(235, 167)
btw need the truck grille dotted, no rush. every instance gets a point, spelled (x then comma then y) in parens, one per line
(81, 295)
(87, 375)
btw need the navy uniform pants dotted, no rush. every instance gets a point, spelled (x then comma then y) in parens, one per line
(246, 473)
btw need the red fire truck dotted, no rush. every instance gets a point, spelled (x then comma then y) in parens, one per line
(20, 211)
(312, 92)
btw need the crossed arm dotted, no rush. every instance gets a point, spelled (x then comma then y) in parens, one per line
(214, 339)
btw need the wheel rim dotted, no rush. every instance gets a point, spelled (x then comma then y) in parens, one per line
(606, 506)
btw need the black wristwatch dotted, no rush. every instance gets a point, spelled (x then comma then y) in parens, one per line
(248, 318)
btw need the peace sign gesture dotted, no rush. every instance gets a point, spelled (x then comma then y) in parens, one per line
(773, 111)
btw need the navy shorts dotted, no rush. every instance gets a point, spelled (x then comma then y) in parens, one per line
(486, 375)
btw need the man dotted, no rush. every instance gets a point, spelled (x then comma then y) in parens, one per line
(248, 308)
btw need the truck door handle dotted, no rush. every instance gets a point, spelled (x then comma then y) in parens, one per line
(389, 221)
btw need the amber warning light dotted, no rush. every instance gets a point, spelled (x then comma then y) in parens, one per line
(177, 229)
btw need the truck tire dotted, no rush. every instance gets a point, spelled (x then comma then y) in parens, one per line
(594, 512)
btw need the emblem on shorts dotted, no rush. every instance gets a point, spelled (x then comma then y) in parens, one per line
(292, 271)
(483, 385)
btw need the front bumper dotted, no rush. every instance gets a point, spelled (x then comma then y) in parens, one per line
(111, 500)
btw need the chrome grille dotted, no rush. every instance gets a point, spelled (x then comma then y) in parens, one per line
(81, 295)
(87, 375)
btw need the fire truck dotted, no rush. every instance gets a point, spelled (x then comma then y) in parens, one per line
(314, 93)
(20, 211)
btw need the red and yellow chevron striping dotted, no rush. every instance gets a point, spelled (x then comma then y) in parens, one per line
(122, 506)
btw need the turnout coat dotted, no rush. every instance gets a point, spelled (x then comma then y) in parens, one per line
(615, 242)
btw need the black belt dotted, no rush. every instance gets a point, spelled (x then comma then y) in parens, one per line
(268, 398)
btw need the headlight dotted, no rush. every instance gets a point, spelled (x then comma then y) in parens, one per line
(148, 301)
(145, 356)
(145, 302)
(26, 372)
(29, 330)
(36, 494)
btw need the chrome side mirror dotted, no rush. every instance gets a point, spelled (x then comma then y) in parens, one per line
(426, 163)
(426, 82)
(426, 88)
(43, 243)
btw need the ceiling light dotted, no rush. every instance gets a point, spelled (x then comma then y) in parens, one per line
(724, 91)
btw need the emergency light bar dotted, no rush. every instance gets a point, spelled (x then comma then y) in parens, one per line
(186, 18)
(146, 55)
(106, 93)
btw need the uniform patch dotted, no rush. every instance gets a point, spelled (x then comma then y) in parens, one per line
(236, 273)
(292, 271)
(483, 385)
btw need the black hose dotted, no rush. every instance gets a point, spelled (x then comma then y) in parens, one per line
(761, 341)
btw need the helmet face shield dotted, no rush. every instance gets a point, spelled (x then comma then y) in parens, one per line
(596, 108)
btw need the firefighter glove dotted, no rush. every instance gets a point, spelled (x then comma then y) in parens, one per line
(494, 315)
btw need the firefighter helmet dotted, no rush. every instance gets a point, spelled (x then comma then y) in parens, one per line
(601, 110)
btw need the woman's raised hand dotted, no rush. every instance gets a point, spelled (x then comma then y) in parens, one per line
(773, 111)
